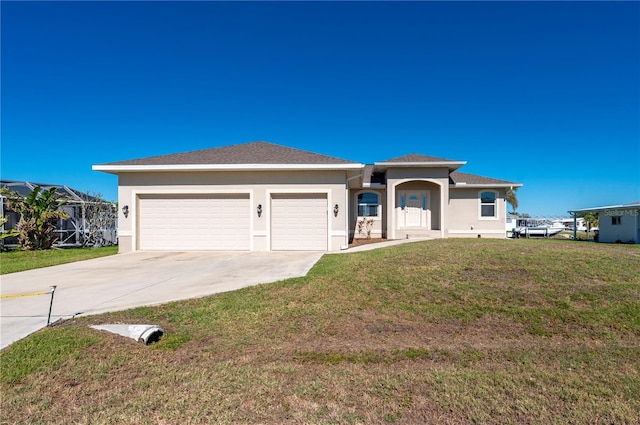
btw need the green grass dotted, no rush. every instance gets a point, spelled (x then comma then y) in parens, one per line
(580, 235)
(17, 261)
(44, 351)
(444, 331)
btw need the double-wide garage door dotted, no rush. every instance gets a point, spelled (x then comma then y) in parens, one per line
(222, 222)
(190, 222)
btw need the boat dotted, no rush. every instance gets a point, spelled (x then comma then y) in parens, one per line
(538, 228)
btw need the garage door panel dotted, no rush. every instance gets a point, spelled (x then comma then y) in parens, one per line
(299, 222)
(191, 222)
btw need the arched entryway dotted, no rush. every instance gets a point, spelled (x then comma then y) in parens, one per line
(417, 208)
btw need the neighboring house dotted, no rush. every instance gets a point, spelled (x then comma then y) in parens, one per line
(261, 197)
(69, 231)
(616, 223)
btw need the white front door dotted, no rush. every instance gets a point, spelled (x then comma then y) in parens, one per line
(414, 207)
(413, 210)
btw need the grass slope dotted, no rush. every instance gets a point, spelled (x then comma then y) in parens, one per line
(444, 331)
(18, 261)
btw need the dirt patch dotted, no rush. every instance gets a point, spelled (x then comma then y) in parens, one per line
(359, 242)
(368, 331)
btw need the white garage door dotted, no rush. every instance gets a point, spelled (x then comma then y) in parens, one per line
(193, 222)
(299, 222)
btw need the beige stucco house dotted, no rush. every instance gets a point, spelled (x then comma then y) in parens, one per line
(261, 197)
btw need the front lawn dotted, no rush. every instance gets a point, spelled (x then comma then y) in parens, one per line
(442, 331)
(17, 261)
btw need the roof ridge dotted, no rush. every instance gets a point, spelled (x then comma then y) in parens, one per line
(257, 152)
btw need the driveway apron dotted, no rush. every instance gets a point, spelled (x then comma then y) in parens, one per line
(135, 279)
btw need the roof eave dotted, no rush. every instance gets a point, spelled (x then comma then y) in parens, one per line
(610, 207)
(115, 169)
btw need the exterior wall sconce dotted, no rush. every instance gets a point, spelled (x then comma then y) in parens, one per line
(125, 211)
(259, 210)
(336, 208)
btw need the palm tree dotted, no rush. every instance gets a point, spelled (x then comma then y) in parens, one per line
(591, 219)
(512, 197)
(38, 211)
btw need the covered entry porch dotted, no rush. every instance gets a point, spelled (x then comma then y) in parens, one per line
(417, 209)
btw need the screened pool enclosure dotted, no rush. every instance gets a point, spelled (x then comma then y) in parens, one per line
(92, 221)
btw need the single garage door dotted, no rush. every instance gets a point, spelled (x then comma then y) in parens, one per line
(299, 222)
(194, 222)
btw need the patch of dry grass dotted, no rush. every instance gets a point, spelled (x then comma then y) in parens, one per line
(444, 331)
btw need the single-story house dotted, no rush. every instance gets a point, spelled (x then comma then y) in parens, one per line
(616, 223)
(261, 196)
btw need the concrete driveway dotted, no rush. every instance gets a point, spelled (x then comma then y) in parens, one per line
(124, 281)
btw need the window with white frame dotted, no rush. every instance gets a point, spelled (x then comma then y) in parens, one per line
(368, 204)
(488, 204)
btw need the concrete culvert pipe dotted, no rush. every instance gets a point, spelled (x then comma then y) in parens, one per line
(142, 333)
(151, 334)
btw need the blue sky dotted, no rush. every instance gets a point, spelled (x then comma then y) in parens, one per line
(546, 93)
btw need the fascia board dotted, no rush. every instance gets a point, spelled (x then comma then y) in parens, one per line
(611, 207)
(223, 167)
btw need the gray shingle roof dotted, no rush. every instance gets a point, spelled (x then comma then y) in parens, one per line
(416, 157)
(264, 153)
(457, 177)
(246, 153)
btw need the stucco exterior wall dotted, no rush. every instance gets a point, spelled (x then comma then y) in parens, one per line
(258, 184)
(464, 214)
